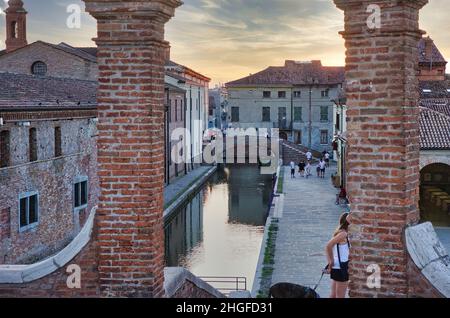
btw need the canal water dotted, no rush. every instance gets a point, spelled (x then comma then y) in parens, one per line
(219, 231)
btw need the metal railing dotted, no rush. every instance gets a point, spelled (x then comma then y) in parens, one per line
(226, 284)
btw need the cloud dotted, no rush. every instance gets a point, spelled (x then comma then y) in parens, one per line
(3, 7)
(228, 39)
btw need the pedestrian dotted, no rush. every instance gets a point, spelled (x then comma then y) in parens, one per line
(301, 168)
(292, 169)
(341, 196)
(338, 252)
(327, 159)
(308, 155)
(308, 169)
(322, 166)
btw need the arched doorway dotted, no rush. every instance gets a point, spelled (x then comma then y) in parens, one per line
(435, 194)
(283, 135)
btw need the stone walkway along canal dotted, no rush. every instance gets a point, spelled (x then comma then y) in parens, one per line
(308, 220)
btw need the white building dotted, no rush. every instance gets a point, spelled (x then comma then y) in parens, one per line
(297, 98)
(196, 106)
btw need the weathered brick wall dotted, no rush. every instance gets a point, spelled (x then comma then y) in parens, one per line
(383, 139)
(131, 55)
(59, 63)
(53, 179)
(190, 290)
(437, 73)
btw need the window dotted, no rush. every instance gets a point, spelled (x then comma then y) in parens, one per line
(298, 114)
(324, 137)
(234, 114)
(266, 114)
(39, 68)
(28, 211)
(266, 94)
(32, 140)
(325, 93)
(281, 94)
(297, 94)
(14, 29)
(80, 192)
(176, 109)
(4, 148)
(323, 113)
(58, 148)
(182, 110)
(338, 122)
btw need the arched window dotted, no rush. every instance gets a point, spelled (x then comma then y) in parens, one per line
(14, 29)
(39, 68)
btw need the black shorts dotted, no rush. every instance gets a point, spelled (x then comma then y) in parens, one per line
(322, 170)
(340, 275)
(301, 169)
(292, 171)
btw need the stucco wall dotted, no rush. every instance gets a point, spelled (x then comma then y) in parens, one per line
(251, 102)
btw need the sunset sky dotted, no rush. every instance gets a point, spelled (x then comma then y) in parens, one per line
(228, 39)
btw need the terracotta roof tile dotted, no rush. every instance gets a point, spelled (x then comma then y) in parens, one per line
(294, 73)
(425, 57)
(434, 130)
(434, 89)
(440, 105)
(27, 91)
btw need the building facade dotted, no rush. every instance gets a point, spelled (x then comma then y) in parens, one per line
(196, 87)
(175, 119)
(218, 107)
(295, 98)
(48, 166)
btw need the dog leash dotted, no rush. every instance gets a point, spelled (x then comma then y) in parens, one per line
(318, 283)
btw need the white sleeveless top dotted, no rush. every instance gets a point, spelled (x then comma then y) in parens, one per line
(344, 251)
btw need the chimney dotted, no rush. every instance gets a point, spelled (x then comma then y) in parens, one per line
(16, 26)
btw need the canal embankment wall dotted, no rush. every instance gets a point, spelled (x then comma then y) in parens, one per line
(183, 188)
(263, 271)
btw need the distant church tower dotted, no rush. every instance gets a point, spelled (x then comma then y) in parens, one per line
(16, 26)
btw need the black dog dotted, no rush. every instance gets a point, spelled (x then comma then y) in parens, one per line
(288, 290)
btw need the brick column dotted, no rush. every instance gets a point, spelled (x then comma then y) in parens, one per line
(383, 138)
(131, 54)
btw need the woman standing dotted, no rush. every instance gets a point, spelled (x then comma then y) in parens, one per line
(338, 251)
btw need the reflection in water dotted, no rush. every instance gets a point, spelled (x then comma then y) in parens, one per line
(219, 232)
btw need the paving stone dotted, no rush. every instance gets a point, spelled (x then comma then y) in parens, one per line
(309, 219)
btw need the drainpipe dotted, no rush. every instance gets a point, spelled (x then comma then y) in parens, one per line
(166, 137)
(184, 126)
(292, 114)
(190, 126)
(310, 118)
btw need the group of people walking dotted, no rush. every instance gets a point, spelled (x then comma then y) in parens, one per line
(305, 168)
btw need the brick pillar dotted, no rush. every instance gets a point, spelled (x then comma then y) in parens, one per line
(131, 53)
(383, 138)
